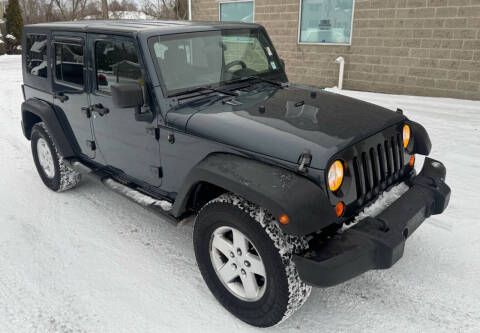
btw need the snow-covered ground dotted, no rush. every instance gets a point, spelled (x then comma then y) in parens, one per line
(91, 260)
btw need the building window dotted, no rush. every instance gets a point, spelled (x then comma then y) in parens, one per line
(237, 11)
(36, 55)
(326, 21)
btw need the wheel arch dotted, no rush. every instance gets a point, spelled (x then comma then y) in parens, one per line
(278, 190)
(35, 111)
(201, 193)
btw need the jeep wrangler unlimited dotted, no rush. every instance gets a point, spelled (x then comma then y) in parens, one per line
(198, 118)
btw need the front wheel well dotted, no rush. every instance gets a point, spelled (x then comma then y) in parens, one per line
(202, 193)
(29, 119)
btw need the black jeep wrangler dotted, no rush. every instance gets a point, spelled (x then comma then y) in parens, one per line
(197, 118)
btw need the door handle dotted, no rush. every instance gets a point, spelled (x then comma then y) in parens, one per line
(98, 108)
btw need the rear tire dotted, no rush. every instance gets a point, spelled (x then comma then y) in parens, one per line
(283, 291)
(54, 172)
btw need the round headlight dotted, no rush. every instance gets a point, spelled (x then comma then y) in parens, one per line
(406, 135)
(335, 175)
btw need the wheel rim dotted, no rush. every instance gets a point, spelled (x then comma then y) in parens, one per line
(238, 264)
(45, 158)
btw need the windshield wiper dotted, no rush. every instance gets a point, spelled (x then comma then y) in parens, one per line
(275, 83)
(200, 89)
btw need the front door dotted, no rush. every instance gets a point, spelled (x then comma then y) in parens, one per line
(69, 82)
(127, 145)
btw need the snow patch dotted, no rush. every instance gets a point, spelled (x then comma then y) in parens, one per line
(71, 262)
(10, 36)
(380, 204)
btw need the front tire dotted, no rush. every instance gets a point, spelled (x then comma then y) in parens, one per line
(54, 172)
(239, 245)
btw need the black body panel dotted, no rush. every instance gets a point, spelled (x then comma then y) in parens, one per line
(278, 190)
(376, 242)
(292, 121)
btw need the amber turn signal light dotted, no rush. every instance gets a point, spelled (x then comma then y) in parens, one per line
(284, 219)
(339, 208)
(412, 160)
(406, 135)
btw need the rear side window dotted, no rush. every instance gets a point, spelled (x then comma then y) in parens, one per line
(116, 62)
(69, 63)
(36, 55)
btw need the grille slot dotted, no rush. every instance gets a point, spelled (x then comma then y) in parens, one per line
(378, 167)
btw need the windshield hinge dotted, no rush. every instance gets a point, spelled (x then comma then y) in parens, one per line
(304, 160)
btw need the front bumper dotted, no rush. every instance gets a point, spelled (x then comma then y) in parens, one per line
(376, 242)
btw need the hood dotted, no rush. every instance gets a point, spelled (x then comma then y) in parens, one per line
(284, 123)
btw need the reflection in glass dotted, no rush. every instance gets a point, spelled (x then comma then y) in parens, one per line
(326, 21)
(237, 11)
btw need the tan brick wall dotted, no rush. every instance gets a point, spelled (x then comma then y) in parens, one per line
(419, 47)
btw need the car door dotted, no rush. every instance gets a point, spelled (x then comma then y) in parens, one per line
(69, 82)
(127, 145)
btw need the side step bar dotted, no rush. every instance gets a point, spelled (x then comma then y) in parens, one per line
(138, 197)
(158, 207)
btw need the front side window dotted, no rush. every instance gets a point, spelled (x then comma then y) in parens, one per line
(212, 58)
(238, 11)
(116, 62)
(326, 21)
(36, 55)
(69, 63)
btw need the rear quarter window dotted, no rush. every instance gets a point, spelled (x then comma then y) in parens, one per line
(36, 55)
(69, 63)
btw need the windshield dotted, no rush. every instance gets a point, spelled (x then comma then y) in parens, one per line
(192, 60)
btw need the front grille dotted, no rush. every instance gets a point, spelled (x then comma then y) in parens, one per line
(378, 167)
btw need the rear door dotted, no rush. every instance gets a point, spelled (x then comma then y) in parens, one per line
(127, 145)
(69, 83)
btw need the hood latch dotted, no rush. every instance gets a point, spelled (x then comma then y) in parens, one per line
(304, 160)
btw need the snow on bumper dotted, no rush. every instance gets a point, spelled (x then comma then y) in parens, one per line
(376, 242)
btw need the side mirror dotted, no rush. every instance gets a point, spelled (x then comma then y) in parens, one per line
(282, 63)
(127, 95)
(130, 95)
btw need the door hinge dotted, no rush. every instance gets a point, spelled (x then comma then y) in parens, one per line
(155, 131)
(157, 171)
(92, 145)
(87, 111)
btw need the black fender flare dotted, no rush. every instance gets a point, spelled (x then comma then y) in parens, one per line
(45, 112)
(278, 190)
(421, 140)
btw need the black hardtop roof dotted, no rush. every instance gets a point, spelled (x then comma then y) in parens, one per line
(131, 26)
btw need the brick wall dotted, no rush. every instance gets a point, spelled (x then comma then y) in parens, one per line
(418, 47)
